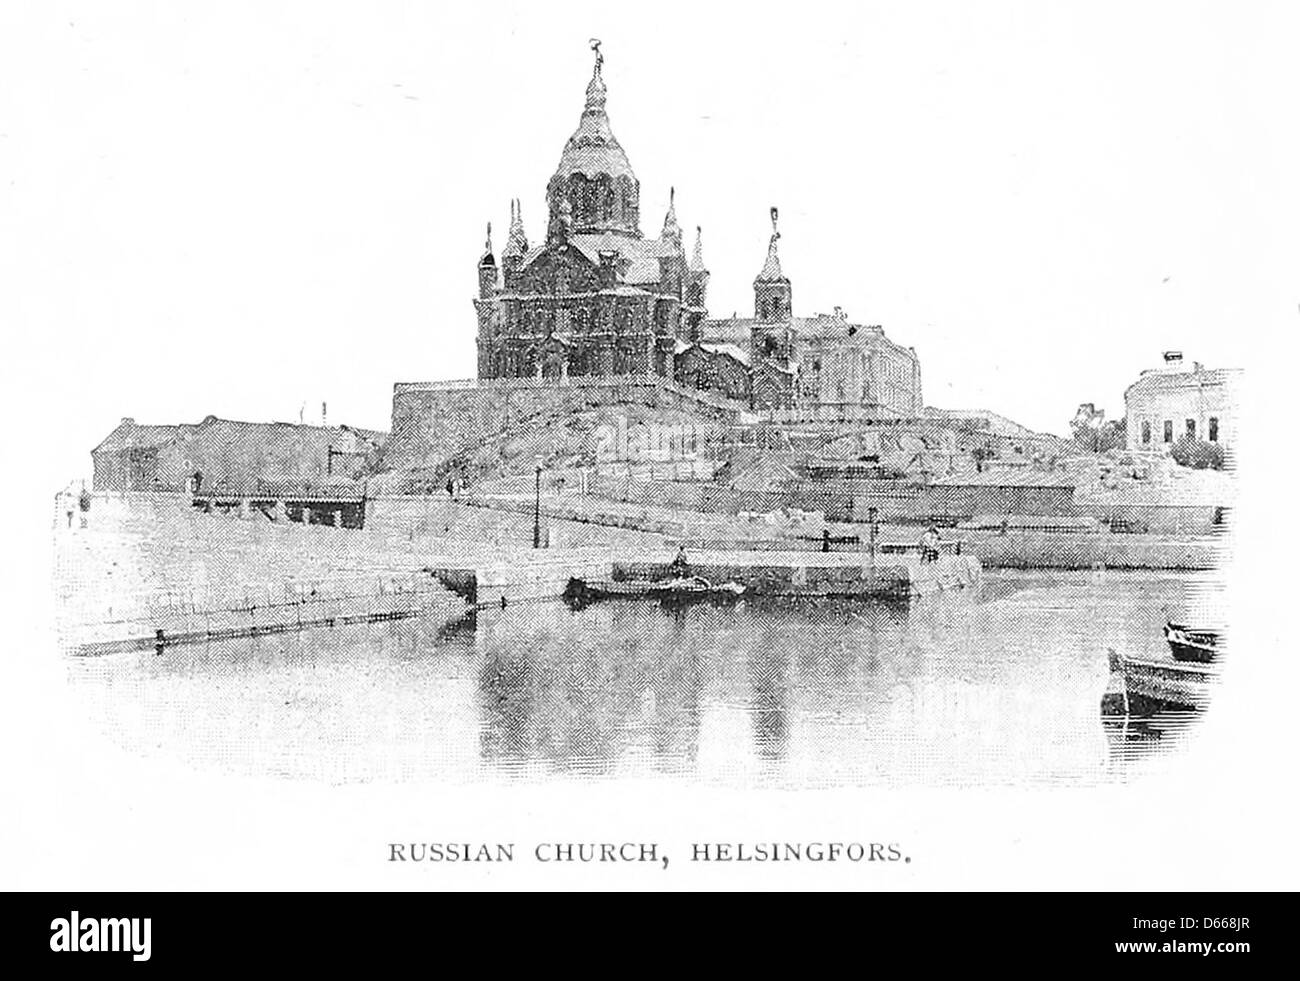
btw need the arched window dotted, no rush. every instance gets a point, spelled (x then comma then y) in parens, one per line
(583, 199)
(1146, 433)
(603, 198)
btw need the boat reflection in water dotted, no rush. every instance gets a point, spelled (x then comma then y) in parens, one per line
(996, 684)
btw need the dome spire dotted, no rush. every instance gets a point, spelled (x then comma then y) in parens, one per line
(672, 231)
(517, 240)
(772, 267)
(488, 259)
(697, 254)
(596, 87)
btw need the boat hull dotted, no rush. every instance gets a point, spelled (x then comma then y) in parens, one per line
(1159, 684)
(1187, 644)
(666, 592)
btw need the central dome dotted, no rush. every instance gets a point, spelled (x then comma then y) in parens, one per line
(594, 174)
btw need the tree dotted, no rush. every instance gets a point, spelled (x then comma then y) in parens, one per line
(1093, 433)
(1113, 436)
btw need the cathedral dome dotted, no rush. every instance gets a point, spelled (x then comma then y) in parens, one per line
(593, 149)
(594, 174)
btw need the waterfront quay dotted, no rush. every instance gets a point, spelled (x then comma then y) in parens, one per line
(151, 570)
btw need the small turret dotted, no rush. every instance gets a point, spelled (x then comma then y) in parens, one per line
(487, 269)
(772, 291)
(697, 253)
(516, 243)
(697, 288)
(672, 231)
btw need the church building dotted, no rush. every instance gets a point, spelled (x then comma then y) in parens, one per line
(598, 298)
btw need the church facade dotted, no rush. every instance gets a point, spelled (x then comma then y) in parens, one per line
(598, 298)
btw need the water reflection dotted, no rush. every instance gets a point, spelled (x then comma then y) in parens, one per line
(1000, 684)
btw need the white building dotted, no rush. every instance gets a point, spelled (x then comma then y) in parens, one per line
(1167, 403)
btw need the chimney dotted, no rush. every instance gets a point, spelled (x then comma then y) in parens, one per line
(1173, 361)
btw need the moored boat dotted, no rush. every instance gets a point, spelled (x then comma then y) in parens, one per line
(680, 588)
(1153, 684)
(1192, 644)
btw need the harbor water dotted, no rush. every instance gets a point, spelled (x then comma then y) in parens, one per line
(998, 684)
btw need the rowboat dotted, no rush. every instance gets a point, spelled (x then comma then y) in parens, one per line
(1154, 684)
(678, 588)
(1192, 644)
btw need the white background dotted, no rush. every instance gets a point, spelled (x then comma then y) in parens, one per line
(245, 209)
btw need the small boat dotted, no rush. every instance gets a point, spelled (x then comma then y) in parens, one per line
(1192, 644)
(678, 588)
(1154, 684)
(696, 586)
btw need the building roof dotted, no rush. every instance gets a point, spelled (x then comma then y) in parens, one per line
(638, 257)
(806, 329)
(1157, 380)
(130, 435)
(729, 326)
(728, 350)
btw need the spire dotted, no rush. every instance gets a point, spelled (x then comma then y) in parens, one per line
(487, 269)
(596, 87)
(697, 255)
(672, 231)
(772, 267)
(517, 240)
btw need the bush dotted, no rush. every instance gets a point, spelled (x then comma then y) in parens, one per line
(1197, 454)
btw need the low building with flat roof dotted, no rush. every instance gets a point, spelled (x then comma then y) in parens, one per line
(1176, 401)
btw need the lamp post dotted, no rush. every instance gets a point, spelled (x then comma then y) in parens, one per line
(537, 508)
